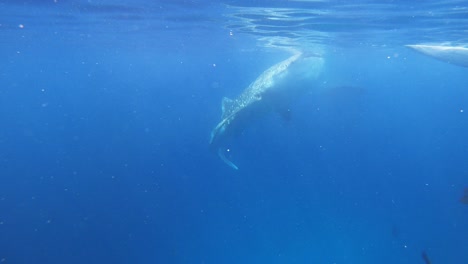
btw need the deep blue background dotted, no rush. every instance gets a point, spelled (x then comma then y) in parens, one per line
(104, 152)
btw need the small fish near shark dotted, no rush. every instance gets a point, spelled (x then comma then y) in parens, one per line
(272, 91)
(456, 55)
(464, 198)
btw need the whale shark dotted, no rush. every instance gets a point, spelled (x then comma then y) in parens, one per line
(272, 91)
(457, 55)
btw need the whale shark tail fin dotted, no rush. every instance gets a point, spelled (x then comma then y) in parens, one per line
(228, 162)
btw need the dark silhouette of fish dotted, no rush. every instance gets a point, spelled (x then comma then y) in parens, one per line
(395, 232)
(464, 198)
(426, 258)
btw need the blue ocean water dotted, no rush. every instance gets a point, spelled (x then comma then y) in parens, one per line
(106, 110)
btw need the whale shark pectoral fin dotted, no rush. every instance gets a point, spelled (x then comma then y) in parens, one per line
(226, 106)
(228, 162)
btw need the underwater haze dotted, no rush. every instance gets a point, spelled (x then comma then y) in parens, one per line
(107, 108)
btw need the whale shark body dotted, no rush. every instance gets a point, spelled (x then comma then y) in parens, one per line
(457, 55)
(272, 91)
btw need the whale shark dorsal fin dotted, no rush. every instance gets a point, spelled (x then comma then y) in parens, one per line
(226, 106)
